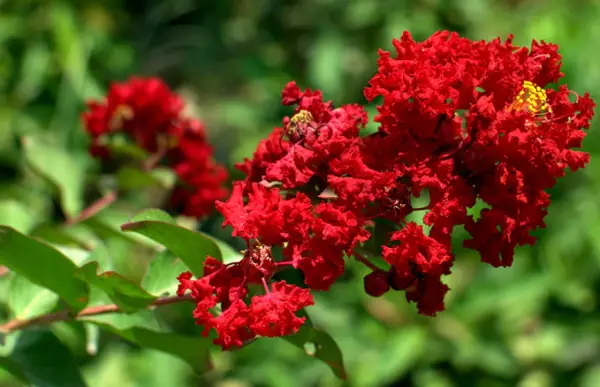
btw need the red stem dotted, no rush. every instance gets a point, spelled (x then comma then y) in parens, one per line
(366, 262)
(93, 208)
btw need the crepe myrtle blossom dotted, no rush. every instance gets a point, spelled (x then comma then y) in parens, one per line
(459, 120)
(151, 115)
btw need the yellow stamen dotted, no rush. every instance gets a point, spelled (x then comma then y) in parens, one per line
(122, 112)
(531, 97)
(166, 141)
(302, 117)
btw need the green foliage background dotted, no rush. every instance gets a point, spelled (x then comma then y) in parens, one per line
(536, 324)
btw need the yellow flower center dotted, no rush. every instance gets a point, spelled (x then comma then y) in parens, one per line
(533, 98)
(302, 117)
(167, 141)
(122, 112)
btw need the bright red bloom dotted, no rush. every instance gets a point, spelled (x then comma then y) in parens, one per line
(272, 314)
(461, 122)
(152, 116)
(423, 260)
(317, 133)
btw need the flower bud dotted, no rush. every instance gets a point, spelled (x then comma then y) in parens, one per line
(376, 283)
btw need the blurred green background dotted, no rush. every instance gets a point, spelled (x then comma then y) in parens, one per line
(536, 324)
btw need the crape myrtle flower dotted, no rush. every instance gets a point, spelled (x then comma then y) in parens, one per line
(151, 115)
(460, 121)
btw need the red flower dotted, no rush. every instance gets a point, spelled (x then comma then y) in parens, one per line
(423, 260)
(461, 122)
(274, 314)
(151, 115)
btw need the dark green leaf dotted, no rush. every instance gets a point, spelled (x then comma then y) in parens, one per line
(128, 295)
(45, 361)
(64, 171)
(13, 368)
(42, 265)
(193, 349)
(161, 277)
(191, 246)
(319, 344)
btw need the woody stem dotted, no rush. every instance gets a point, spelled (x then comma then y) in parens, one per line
(64, 315)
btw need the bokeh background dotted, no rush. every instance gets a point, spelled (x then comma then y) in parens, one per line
(536, 324)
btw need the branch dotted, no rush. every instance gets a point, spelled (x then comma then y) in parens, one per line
(63, 315)
(93, 208)
(366, 262)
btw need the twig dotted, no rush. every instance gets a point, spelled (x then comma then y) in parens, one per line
(93, 208)
(63, 315)
(366, 262)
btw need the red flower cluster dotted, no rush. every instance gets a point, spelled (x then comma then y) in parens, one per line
(460, 121)
(151, 115)
(270, 315)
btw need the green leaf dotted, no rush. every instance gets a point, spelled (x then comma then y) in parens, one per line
(121, 147)
(27, 300)
(228, 253)
(124, 292)
(134, 328)
(161, 277)
(16, 215)
(45, 361)
(130, 178)
(12, 368)
(153, 214)
(107, 224)
(64, 171)
(55, 234)
(42, 265)
(321, 345)
(191, 246)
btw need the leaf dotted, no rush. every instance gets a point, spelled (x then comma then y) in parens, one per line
(191, 246)
(12, 368)
(228, 253)
(321, 345)
(121, 147)
(124, 292)
(16, 215)
(45, 361)
(130, 178)
(27, 300)
(60, 236)
(64, 171)
(193, 349)
(153, 214)
(107, 224)
(42, 265)
(161, 277)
